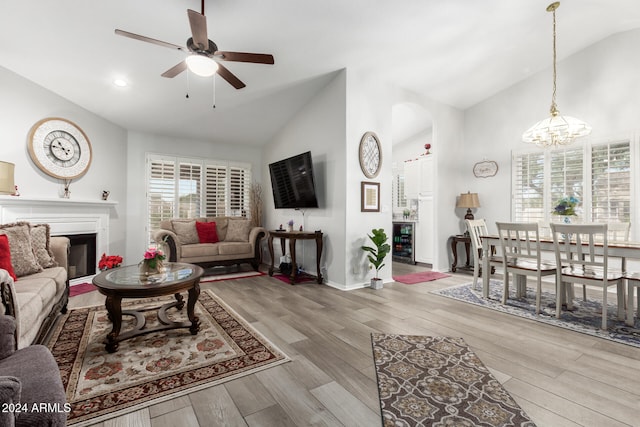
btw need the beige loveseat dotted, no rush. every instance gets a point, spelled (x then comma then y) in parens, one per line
(238, 241)
(41, 291)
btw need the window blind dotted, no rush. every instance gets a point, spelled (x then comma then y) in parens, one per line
(611, 182)
(192, 188)
(528, 187)
(566, 176)
(161, 184)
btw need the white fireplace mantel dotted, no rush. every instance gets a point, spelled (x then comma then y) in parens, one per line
(64, 216)
(59, 202)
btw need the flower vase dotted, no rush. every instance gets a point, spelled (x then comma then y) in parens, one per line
(289, 228)
(146, 269)
(567, 219)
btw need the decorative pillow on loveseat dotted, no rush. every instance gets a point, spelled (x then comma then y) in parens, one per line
(238, 230)
(186, 231)
(40, 237)
(5, 256)
(22, 257)
(207, 232)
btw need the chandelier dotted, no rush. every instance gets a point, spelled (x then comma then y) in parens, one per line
(557, 129)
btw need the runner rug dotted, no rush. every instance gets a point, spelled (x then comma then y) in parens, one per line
(585, 317)
(154, 367)
(439, 381)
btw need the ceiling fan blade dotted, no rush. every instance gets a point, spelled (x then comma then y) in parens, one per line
(256, 58)
(230, 77)
(198, 24)
(175, 70)
(149, 40)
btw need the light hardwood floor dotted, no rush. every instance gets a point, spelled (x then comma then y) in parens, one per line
(560, 378)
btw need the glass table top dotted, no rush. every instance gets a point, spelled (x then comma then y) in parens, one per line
(171, 273)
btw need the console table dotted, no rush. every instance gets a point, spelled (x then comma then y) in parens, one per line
(293, 236)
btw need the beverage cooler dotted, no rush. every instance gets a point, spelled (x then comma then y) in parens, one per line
(403, 248)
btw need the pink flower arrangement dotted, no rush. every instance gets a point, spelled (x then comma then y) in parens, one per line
(152, 256)
(109, 261)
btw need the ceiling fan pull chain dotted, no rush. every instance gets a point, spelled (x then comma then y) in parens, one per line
(187, 85)
(214, 90)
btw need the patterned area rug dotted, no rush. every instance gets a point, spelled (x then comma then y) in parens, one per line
(439, 381)
(154, 367)
(585, 317)
(422, 276)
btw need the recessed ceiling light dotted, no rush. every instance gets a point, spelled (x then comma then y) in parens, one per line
(120, 82)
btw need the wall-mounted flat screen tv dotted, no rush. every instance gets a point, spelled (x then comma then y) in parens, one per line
(292, 182)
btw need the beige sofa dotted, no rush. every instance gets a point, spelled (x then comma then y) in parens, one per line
(42, 288)
(238, 241)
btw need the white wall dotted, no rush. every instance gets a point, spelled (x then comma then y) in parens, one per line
(318, 127)
(369, 108)
(22, 104)
(139, 144)
(599, 85)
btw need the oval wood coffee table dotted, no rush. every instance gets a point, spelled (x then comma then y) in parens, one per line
(126, 282)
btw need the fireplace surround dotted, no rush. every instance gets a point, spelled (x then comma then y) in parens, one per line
(66, 217)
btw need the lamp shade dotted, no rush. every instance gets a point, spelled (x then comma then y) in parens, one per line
(201, 65)
(468, 200)
(7, 184)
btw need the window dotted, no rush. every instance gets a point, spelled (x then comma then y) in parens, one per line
(599, 175)
(191, 188)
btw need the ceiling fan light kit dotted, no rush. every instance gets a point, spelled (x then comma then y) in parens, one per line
(557, 129)
(205, 56)
(201, 65)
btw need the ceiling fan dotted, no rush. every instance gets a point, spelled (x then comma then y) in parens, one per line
(205, 57)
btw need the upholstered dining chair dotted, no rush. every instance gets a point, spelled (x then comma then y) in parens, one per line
(579, 261)
(478, 228)
(522, 257)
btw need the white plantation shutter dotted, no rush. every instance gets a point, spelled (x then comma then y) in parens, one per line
(611, 182)
(161, 190)
(600, 176)
(239, 182)
(566, 177)
(215, 199)
(528, 187)
(191, 188)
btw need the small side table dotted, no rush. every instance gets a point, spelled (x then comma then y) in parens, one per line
(460, 238)
(293, 236)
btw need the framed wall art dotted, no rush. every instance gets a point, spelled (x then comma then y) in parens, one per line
(370, 196)
(485, 169)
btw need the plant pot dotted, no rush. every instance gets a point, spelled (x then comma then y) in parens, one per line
(376, 283)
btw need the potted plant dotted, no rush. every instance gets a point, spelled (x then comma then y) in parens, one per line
(377, 253)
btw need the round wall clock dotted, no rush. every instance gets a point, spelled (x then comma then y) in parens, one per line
(370, 154)
(59, 148)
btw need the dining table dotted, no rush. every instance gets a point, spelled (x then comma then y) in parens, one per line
(618, 249)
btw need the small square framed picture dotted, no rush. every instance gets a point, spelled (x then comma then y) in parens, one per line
(370, 196)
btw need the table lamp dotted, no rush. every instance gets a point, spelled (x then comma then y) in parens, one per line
(7, 184)
(468, 200)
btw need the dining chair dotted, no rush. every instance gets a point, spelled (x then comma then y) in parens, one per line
(633, 282)
(618, 231)
(580, 260)
(522, 257)
(478, 228)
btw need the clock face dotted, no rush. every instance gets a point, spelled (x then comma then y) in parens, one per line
(59, 148)
(370, 153)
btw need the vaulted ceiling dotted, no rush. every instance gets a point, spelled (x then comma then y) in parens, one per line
(458, 52)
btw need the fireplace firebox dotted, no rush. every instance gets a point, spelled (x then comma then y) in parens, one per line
(82, 255)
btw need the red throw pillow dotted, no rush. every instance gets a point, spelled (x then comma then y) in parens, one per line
(207, 232)
(5, 256)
